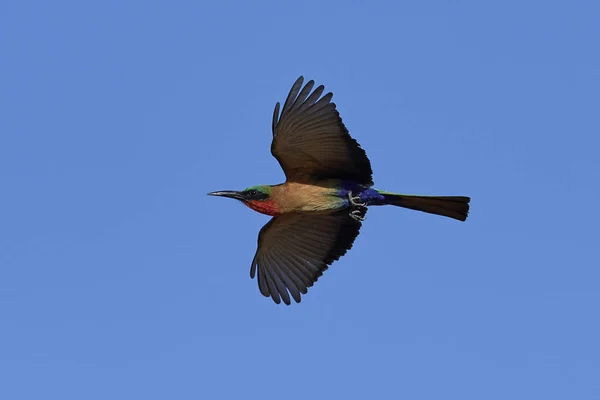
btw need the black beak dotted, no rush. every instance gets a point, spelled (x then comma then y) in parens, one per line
(232, 194)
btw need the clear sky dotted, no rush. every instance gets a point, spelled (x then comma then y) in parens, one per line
(121, 279)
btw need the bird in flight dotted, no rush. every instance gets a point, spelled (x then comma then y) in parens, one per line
(318, 211)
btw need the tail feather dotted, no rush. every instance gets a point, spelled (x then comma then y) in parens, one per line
(456, 207)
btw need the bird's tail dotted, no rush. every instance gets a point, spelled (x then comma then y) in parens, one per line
(456, 207)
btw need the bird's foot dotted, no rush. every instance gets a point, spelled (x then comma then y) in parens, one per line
(355, 201)
(357, 215)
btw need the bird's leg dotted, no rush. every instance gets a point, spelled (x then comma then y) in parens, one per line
(357, 215)
(355, 201)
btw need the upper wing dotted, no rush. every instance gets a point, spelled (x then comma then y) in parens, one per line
(294, 249)
(310, 140)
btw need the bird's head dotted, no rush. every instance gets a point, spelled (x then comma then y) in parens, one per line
(257, 198)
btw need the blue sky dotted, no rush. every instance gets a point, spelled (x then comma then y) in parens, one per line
(121, 279)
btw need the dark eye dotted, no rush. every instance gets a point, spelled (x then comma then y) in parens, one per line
(252, 192)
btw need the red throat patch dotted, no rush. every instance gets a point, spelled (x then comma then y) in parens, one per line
(267, 207)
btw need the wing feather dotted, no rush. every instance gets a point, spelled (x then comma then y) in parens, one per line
(287, 283)
(311, 142)
(304, 93)
(299, 270)
(292, 95)
(295, 249)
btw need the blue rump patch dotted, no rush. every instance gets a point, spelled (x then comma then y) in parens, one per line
(366, 194)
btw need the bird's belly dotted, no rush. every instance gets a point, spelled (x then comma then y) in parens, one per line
(326, 203)
(310, 198)
(339, 199)
(324, 196)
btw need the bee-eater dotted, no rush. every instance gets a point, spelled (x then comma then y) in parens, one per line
(318, 211)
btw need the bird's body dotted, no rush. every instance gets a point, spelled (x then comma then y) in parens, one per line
(320, 196)
(317, 212)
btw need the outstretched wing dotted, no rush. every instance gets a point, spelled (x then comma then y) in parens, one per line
(295, 248)
(311, 142)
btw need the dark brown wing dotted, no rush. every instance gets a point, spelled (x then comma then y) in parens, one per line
(294, 249)
(310, 140)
